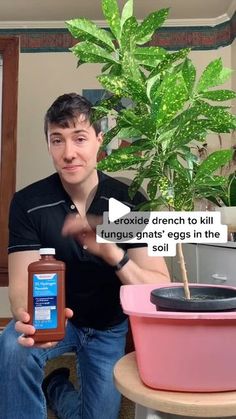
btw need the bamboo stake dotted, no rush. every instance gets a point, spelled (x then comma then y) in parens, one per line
(183, 271)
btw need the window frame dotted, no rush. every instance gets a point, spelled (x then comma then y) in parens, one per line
(9, 50)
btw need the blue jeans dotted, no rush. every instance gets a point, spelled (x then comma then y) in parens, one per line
(22, 373)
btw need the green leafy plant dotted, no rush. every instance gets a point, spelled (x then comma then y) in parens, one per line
(227, 193)
(172, 109)
(228, 197)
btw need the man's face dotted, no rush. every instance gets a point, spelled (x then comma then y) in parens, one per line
(74, 150)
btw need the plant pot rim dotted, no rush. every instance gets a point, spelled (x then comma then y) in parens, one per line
(203, 298)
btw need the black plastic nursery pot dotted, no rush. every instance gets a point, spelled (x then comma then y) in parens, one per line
(203, 298)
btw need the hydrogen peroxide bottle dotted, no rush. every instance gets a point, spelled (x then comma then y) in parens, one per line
(46, 297)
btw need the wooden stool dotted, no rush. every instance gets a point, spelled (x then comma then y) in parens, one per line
(150, 403)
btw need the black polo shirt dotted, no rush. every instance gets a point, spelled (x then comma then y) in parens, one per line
(37, 214)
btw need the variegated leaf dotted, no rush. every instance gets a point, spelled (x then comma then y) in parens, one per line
(187, 116)
(218, 116)
(131, 70)
(114, 84)
(109, 135)
(105, 106)
(212, 163)
(112, 15)
(213, 75)
(120, 159)
(128, 34)
(211, 181)
(86, 30)
(183, 197)
(136, 90)
(173, 95)
(219, 95)
(168, 61)
(150, 24)
(136, 184)
(142, 123)
(91, 53)
(127, 11)
(150, 56)
(152, 187)
(153, 85)
(175, 165)
(190, 131)
(189, 75)
(116, 70)
(166, 190)
(128, 133)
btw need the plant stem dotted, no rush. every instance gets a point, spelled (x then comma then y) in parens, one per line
(183, 271)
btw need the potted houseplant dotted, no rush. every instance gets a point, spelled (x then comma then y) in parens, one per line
(225, 202)
(172, 110)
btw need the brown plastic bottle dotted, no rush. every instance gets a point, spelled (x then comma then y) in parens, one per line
(46, 297)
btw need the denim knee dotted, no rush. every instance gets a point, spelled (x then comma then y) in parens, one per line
(10, 349)
(12, 354)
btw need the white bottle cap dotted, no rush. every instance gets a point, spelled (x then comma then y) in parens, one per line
(47, 251)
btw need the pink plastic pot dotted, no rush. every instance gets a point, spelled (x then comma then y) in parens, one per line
(181, 351)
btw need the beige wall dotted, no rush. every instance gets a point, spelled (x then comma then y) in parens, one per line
(43, 77)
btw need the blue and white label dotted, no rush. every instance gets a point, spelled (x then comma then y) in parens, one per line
(45, 300)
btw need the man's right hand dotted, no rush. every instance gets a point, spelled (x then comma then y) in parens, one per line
(27, 330)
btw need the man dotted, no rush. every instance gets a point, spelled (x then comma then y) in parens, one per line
(97, 327)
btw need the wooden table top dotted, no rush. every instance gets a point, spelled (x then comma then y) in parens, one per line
(210, 405)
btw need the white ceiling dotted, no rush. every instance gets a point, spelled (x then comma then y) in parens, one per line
(61, 10)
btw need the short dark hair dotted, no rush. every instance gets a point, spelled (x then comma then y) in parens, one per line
(66, 109)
